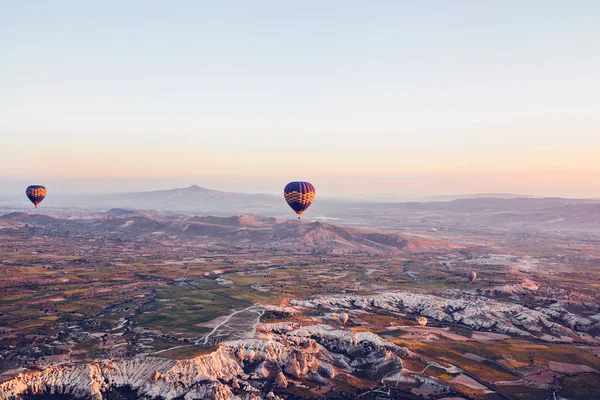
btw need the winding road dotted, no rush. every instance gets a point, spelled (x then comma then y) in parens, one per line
(256, 308)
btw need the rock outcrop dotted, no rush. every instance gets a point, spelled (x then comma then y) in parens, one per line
(281, 381)
(317, 353)
(476, 312)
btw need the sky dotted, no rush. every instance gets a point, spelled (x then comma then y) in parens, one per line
(388, 99)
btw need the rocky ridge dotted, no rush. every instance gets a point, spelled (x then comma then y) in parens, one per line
(476, 312)
(277, 357)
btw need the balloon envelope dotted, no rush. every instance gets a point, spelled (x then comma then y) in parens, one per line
(36, 193)
(472, 275)
(343, 318)
(422, 321)
(299, 196)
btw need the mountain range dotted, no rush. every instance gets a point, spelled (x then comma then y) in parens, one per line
(484, 213)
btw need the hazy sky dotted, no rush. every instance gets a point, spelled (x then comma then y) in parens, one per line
(395, 98)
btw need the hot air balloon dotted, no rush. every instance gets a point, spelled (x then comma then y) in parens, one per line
(36, 193)
(422, 321)
(343, 318)
(472, 275)
(299, 196)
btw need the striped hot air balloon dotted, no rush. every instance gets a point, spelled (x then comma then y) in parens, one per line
(36, 193)
(299, 196)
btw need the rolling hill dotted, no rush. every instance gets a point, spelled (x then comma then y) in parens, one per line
(474, 214)
(245, 232)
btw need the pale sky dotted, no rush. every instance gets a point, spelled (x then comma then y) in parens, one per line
(384, 98)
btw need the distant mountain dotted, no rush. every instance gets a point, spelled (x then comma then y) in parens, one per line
(478, 196)
(493, 204)
(483, 213)
(200, 200)
(191, 199)
(481, 204)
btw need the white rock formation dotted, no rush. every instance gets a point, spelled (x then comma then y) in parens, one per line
(315, 352)
(474, 311)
